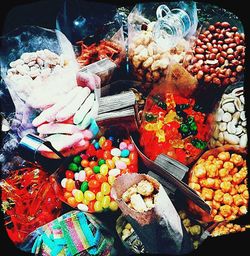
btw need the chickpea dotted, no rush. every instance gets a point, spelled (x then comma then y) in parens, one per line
(238, 200)
(236, 159)
(224, 156)
(218, 218)
(194, 186)
(225, 186)
(227, 199)
(212, 171)
(243, 210)
(225, 210)
(245, 194)
(241, 188)
(237, 227)
(218, 195)
(216, 205)
(234, 209)
(234, 170)
(200, 171)
(207, 193)
(229, 225)
(228, 165)
(223, 172)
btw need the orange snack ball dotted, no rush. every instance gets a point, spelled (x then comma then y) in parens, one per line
(223, 172)
(207, 193)
(236, 159)
(212, 171)
(233, 171)
(228, 165)
(245, 194)
(233, 191)
(241, 188)
(225, 186)
(228, 178)
(227, 199)
(217, 183)
(195, 186)
(225, 210)
(218, 218)
(238, 200)
(218, 195)
(200, 171)
(224, 156)
(216, 205)
(242, 210)
(235, 209)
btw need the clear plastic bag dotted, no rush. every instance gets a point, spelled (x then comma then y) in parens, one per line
(95, 36)
(157, 35)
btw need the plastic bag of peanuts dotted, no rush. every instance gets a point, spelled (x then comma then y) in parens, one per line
(220, 178)
(157, 35)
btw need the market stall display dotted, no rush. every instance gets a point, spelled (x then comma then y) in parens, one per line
(160, 156)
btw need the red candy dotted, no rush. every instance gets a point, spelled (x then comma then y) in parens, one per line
(107, 145)
(69, 174)
(94, 183)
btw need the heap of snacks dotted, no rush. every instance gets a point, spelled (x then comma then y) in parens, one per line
(225, 229)
(95, 52)
(141, 197)
(59, 101)
(90, 175)
(194, 229)
(230, 126)
(222, 182)
(175, 126)
(150, 62)
(219, 55)
(28, 201)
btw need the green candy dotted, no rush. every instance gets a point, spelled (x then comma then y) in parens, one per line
(73, 167)
(193, 126)
(184, 128)
(77, 159)
(162, 105)
(84, 186)
(101, 162)
(96, 169)
(150, 117)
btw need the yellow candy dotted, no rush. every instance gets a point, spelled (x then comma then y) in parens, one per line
(78, 196)
(111, 180)
(105, 201)
(101, 141)
(113, 206)
(104, 169)
(160, 135)
(115, 158)
(99, 196)
(170, 116)
(85, 201)
(110, 164)
(98, 206)
(89, 195)
(105, 188)
(125, 160)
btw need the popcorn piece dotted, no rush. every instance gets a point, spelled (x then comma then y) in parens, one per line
(145, 188)
(138, 203)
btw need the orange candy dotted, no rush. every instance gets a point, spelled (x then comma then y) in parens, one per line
(67, 194)
(70, 185)
(100, 178)
(72, 202)
(91, 206)
(107, 155)
(110, 164)
(92, 164)
(84, 163)
(88, 171)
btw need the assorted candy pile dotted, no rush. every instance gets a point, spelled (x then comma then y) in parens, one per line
(175, 126)
(90, 175)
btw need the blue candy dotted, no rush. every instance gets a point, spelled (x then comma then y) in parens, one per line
(96, 145)
(94, 128)
(125, 153)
